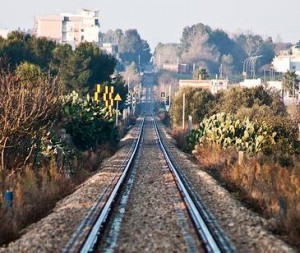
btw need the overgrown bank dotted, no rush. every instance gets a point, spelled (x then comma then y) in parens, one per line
(267, 176)
(49, 144)
(51, 137)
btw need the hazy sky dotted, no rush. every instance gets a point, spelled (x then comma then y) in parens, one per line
(164, 20)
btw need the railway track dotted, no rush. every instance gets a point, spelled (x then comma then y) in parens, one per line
(149, 189)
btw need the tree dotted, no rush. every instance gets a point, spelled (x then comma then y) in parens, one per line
(250, 43)
(200, 103)
(165, 53)
(132, 76)
(28, 74)
(289, 82)
(114, 37)
(21, 47)
(82, 68)
(17, 48)
(235, 98)
(42, 50)
(201, 74)
(26, 111)
(133, 49)
(221, 40)
(59, 64)
(196, 48)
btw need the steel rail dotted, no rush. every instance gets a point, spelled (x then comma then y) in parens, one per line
(94, 233)
(198, 214)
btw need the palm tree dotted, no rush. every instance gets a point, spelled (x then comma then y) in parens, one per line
(202, 74)
(289, 82)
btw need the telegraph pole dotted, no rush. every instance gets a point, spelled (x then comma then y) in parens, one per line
(183, 110)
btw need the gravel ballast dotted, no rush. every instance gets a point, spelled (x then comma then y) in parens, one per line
(155, 217)
(246, 229)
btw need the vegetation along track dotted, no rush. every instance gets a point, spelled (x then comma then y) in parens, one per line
(149, 207)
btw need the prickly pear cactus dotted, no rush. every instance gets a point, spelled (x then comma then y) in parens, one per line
(224, 130)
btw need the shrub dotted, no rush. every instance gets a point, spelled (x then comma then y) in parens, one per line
(89, 123)
(199, 103)
(225, 131)
(27, 109)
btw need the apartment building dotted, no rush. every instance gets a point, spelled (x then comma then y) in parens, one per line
(69, 28)
(288, 60)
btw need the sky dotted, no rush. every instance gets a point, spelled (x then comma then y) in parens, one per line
(164, 20)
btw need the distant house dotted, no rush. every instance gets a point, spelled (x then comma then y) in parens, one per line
(251, 83)
(288, 60)
(213, 85)
(176, 67)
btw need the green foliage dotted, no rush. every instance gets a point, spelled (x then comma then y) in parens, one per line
(201, 74)
(132, 48)
(289, 82)
(165, 53)
(200, 45)
(225, 131)
(78, 69)
(199, 102)
(236, 98)
(89, 123)
(51, 147)
(29, 74)
(19, 47)
(82, 68)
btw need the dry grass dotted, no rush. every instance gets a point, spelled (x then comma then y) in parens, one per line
(261, 182)
(35, 194)
(36, 191)
(180, 136)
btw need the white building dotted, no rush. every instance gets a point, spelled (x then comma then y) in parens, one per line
(213, 85)
(251, 83)
(218, 85)
(4, 33)
(110, 48)
(288, 60)
(70, 28)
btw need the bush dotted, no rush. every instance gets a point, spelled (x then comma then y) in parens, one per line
(89, 123)
(199, 103)
(236, 98)
(223, 130)
(28, 108)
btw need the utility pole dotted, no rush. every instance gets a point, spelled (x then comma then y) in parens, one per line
(170, 94)
(183, 110)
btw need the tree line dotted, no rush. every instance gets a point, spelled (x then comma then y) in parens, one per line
(217, 51)
(78, 69)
